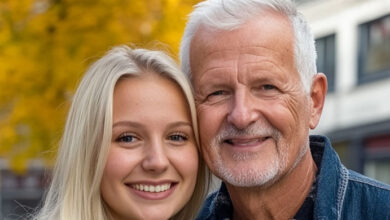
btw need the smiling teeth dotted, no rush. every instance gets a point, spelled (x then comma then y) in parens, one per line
(152, 188)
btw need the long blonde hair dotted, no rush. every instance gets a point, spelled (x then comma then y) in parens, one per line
(74, 192)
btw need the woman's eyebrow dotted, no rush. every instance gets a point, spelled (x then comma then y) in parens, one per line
(126, 124)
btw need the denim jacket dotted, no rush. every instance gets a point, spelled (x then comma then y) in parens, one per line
(340, 193)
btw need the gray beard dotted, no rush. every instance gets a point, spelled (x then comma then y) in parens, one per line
(253, 176)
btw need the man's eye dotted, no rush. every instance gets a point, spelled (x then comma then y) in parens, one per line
(127, 138)
(216, 93)
(178, 137)
(268, 87)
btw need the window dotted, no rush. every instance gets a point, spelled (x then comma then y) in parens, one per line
(374, 50)
(342, 150)
(326, 58)
(377, 158)
(378, 169)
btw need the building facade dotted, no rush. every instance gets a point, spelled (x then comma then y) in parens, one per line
(21, 194)
(353, 46)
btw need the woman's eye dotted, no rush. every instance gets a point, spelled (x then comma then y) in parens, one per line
(178, 137)
(126, 138)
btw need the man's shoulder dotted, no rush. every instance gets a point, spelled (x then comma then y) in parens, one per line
(358, 181)
(366, 197)
(343, 193)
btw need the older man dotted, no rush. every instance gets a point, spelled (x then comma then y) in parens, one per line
(252, 65)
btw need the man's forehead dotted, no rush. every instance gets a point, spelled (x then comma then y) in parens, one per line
(258, 21)
(258, 30)
(270, 36)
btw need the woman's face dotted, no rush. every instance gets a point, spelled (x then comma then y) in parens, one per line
(153, 160)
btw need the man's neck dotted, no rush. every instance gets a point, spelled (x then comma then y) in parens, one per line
(280, 200)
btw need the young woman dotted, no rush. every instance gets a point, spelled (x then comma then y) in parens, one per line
(129, 149)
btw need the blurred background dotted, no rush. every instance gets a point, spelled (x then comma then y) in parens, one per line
(46, 45)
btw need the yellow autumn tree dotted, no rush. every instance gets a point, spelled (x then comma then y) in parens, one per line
(46, 45)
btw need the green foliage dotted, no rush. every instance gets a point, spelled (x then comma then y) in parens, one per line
(46, 45)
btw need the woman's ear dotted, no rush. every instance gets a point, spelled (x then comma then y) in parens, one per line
(318, 90)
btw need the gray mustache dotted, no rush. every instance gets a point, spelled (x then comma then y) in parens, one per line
(257, 129)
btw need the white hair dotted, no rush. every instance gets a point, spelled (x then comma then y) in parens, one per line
(231, 14)
(74, 192)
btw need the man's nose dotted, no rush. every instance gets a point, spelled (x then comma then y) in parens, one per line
(243, 110)
(155, 160)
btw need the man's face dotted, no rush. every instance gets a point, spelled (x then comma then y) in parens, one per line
(253, 113)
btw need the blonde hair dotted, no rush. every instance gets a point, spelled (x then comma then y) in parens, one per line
(74, 192)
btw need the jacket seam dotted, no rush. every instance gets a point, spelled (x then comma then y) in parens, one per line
(342, 190)
(369, 183)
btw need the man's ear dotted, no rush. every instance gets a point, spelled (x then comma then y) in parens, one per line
(318, 90)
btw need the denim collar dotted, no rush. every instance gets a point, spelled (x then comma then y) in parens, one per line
(332, 180)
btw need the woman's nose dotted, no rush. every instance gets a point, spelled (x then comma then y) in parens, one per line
(155, 159)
